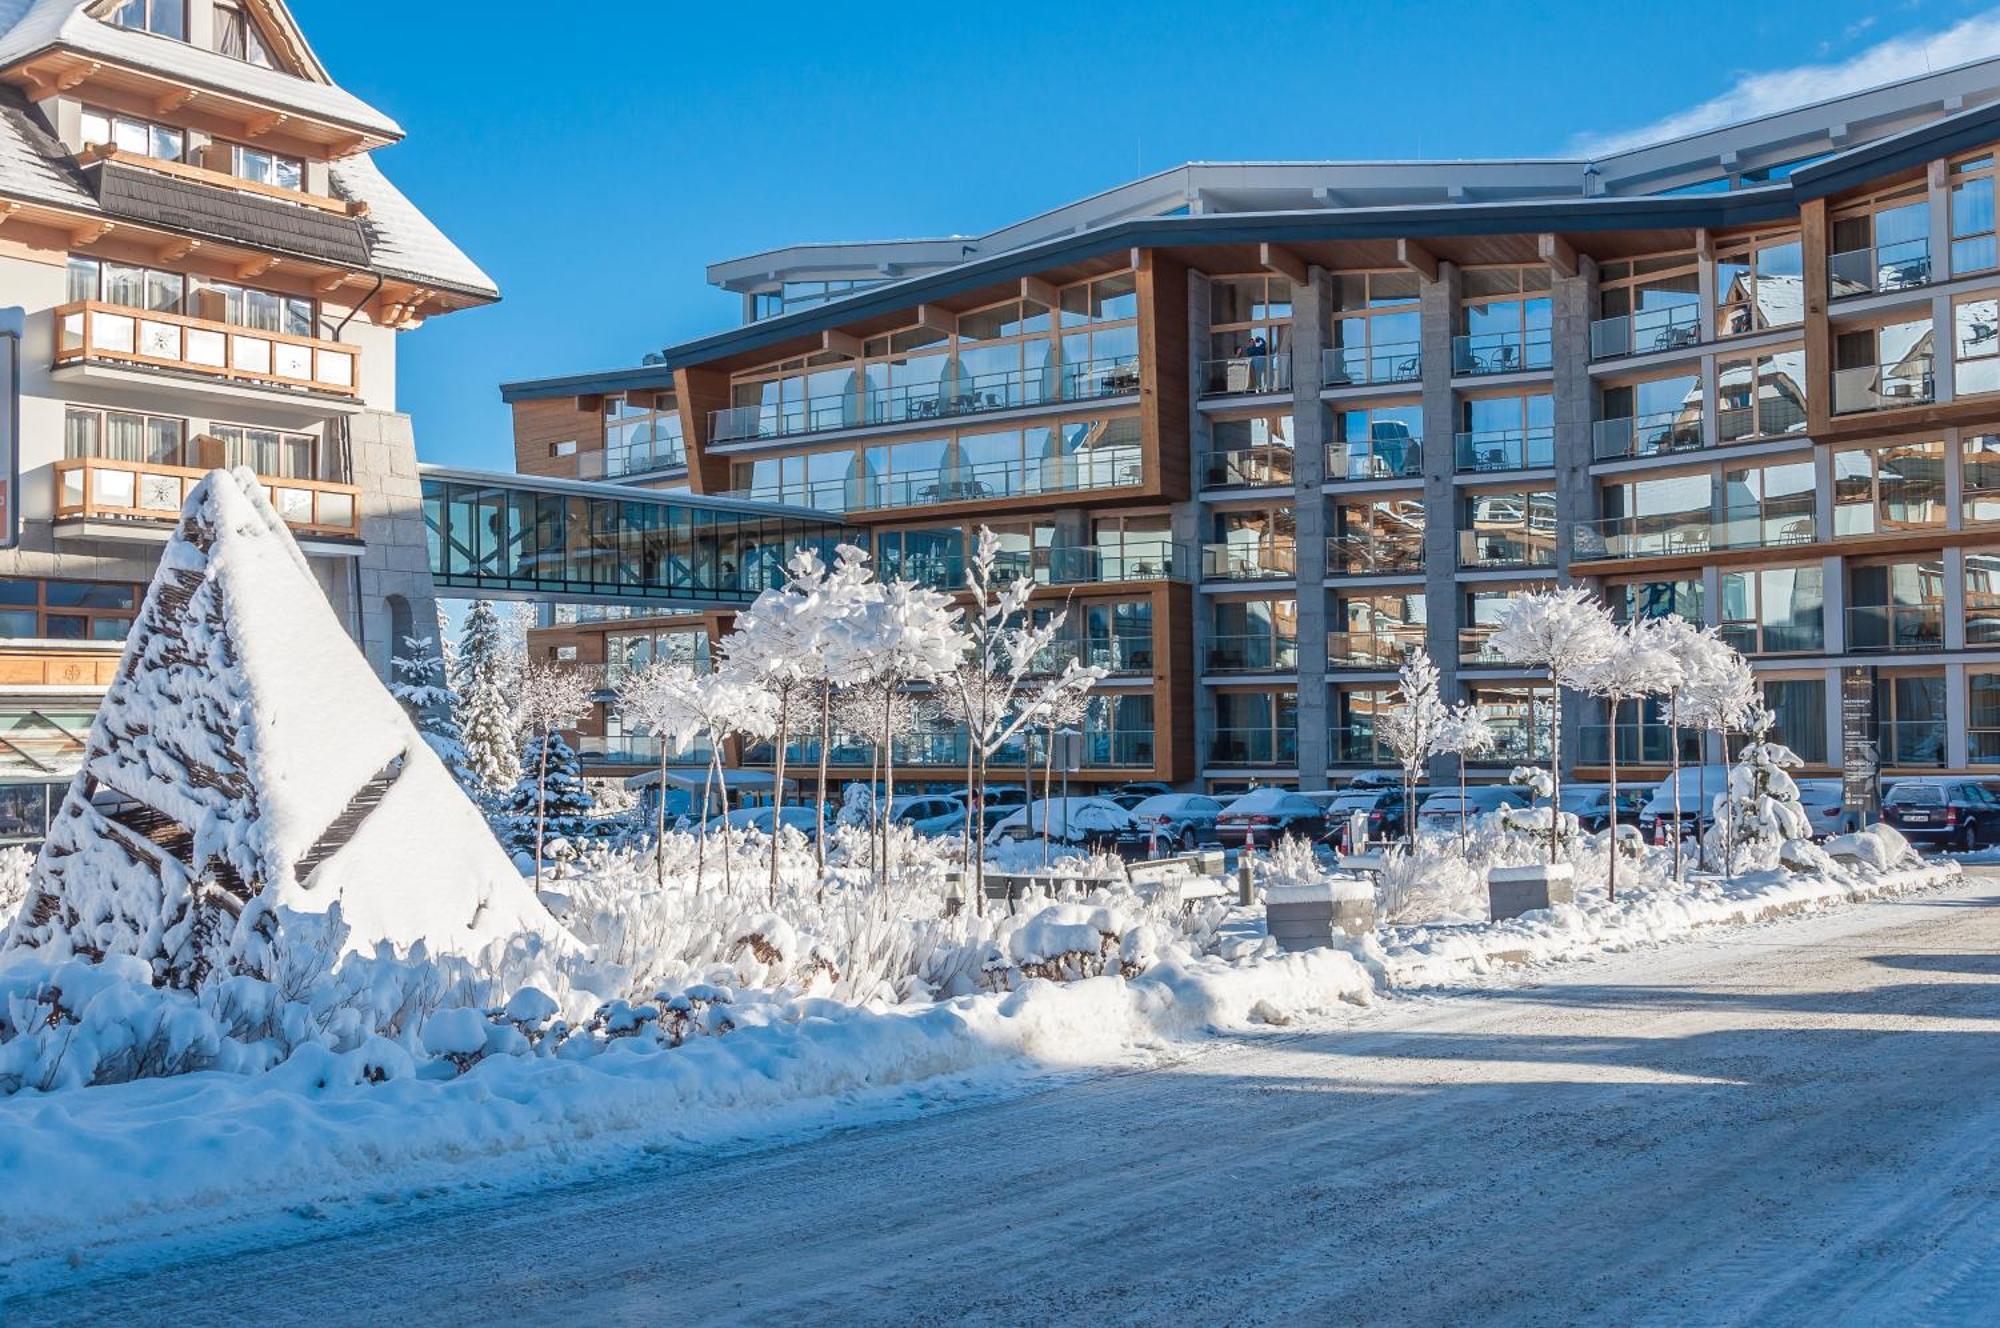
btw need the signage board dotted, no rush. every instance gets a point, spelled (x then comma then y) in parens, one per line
(1860, 757)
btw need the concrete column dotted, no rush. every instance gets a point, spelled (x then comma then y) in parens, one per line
(1311, 306)
(1573, 303)
(1938, 178)
(1834, 721)
(1833, 609)
(1957, 701)
(1944, 373)
(394, 575)
(1190, 529)
(1438, 322)
(1954, 606)
(1954, 480)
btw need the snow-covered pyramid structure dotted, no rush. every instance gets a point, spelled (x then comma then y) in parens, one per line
(246, 765)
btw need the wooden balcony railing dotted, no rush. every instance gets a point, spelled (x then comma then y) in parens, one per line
(92, 489)
(90, 330)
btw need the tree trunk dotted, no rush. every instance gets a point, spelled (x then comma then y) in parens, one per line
(541, 806)
(975, 817)
(722, 794)
(1463, 847)
(1611, 752)
(1674, 722)
(971, 808)
(888, 775)
(1048, 790)
(778, 783)
(825, 746)
(660, 821)
(701, 826)
(1555, 765)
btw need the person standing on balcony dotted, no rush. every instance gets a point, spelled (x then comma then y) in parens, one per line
(1258, 352)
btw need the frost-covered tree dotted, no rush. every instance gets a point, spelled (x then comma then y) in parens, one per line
(842, 662)
(421, 684)
(1414, 730)
(1466, 733)
(659, 699)
(908, 637)
(1640, 663)
(727, 706)
(1761, 808)
(552, 786)
(1565, 632)
(1716, 696)
(777, 645)
(551, 698)
(1692, 648)
(486, 715)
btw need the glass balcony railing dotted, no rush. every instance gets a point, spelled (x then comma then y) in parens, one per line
(1773, 416)
(1982, 505)
(1074, 472)
(1517, 741)
(1673, 328)
(946, 397)
(1118, 654)
(645, 456)
(1364, 366)
(1247, 375)
(1251, 654)
(1506, 449)
(1647, 435)
(1249, 467)
(1880, 627)
(1501, 352)
(1506, 548)
(1882, 268)
(1357, 744)
(1915, 743)
(635, 749)
(1383, 648)
(1391, 457)
(1050, 567)
(1907, 382)
(1249, 562)
(1475, 646)
(1802, 638)
(1779, 523)
(1272, 747)
(1648, 744)
(1377, 553)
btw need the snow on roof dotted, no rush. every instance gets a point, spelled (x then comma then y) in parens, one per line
(28, 27)
(402, 241)
(246, 758)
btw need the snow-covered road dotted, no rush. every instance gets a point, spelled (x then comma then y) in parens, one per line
(1795, 1123)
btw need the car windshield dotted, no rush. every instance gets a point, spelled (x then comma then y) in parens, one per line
(1916, 795)
(1573, 798)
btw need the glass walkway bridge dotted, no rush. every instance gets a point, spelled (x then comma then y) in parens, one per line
(502, 536)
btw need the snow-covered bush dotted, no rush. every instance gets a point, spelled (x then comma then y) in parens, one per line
(1431, 882)
(1761, 808)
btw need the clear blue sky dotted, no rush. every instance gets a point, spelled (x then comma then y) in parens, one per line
(595, 156)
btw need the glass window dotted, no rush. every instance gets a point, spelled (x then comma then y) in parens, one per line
(1774, 610)
(168, 18)
(142, 138)
(1761, 395)
(237, 37)
(1976, 345)
(1759, 283)
(1972, 247)
(1898, 486)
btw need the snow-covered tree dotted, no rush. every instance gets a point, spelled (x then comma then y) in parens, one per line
(726, 706)
(421, 684)
(1565, 632)
(1692, 648)
(909, 636)
(552, 786)
(551, 698)
(842, 660)
(777, 645)
(1465, 733)
(1716, 696)
(659, 699)
(1640, 663)
(1761, 809)
(1063, 703)
(1414, 731)
(486, 715)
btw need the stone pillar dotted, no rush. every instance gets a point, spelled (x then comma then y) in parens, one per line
(1833, 603)
(1311, 310)
(1438, 322)
(1958, 701)
(394, 574)
(1573, 303)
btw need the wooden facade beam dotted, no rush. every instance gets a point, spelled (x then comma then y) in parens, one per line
(264, 124)
(256, 267)
(174, 101)
(1276, 258)
(1558, 253)
(1040, 292)
(937, 320)
(1818, 330)
(173, 251)
(1418, 259)
(841, 343)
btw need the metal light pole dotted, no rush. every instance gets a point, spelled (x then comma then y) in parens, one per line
(1068, 737)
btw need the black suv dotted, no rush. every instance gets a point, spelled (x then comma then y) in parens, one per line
(1955, 813)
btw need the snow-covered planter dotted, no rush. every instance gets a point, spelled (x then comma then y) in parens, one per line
(1512, 891)
(1308, 917)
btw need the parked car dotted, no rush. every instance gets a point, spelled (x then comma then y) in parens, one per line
(1127, 800)
(797, 818)
(928, 813)
(1145, 788)
(1175, 821)
(1700, 785)
(1440, 811)
(1590, 804)
(1384, 806)
(1264, 816)
(1825, 801)
(1957, 813)
(1090, 821)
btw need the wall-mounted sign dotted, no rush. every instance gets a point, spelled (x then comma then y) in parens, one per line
(1860, 755)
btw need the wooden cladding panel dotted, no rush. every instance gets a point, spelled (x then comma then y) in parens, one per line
(702, 392)
(540, 426)
(1174, 679)
(1818, 333)
(1164, 402)
(37, 668)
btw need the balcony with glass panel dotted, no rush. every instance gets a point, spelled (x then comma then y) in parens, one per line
(1658, 434)
(1873, 628)
(1475, 647)
(1880, 269)
(1749, 638)
(1517, 741)
(1501, 352)
(1247, 468)
(1384, 648)
(1132, 561)
(1779, 523)
(1253, 653)
(1494, 549)
(1389, 456)
(635, 749)
(1267, 561)
(94, 333)
(1254, 747)
(1357, 744)
(1492, 450)
(950, 396)
(1908, 381)
(1082, 471)
(1368, 366)
(1638, 744)
(1675, 327)
(1376, 553)
(1247, 375)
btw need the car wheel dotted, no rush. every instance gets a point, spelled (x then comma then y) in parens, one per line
(1187, 840)
(1968, 838)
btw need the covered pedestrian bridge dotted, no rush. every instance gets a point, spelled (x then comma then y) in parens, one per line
(495, 535)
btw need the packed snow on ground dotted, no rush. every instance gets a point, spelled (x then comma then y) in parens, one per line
(699, 1004)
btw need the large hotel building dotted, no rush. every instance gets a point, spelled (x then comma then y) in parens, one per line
(1264, 427)
(210, 269)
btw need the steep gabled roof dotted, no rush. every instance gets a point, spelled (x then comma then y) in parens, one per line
(247, 766)
(29, 27)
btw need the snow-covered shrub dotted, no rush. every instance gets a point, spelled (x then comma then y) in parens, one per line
(1433, 882)
(16, 864)
(1760, 810)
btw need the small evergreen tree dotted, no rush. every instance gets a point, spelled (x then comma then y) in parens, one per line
(1761, 809)
(486, 712)
(421, 685)
(563, 794)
